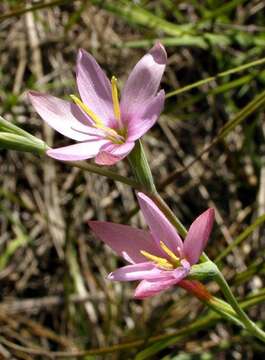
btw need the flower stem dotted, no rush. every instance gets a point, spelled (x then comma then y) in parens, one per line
(107, 173)
(141, 169)
(222, 308)
(250, 325)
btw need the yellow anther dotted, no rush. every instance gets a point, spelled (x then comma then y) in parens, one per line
(88, 111)
(111, 133)
(170, 253)
(164, 263)
(115, 100)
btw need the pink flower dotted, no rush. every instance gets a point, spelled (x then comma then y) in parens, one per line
(104, 128)
(159, 258)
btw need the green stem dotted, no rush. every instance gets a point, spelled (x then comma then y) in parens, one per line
(141, 169)
(250, 325)
(93, 168)
(223, 309)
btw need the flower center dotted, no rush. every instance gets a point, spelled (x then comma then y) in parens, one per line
(167, 264)
(116, 136)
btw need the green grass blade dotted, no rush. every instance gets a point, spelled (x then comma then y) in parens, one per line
(136, 15)
(215, 77)
(184, 40)
(239, 239)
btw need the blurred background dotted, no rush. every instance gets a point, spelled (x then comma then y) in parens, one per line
(54, 293)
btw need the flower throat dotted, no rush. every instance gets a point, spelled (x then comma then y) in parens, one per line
(116, 136)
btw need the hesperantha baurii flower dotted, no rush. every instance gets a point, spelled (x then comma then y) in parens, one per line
(105, 127)
(158, 257)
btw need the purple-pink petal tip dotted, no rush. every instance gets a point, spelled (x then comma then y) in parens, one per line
(159, 53)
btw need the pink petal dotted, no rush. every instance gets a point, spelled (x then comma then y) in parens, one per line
(94, 86)
(148, 288)
(161, 228)
(140, 271)
(76, 152)
(148, 271)
(111, 153)
(151, 287)
(144, 80)
(181, 272)
(125, 240)
(184, 265)
(62, 116)
(141, 123)
(198, 236)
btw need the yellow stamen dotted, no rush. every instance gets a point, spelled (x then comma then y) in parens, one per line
(112, 134)
(88, 111)
(170, 253)
(115, 100)
(164, 263)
